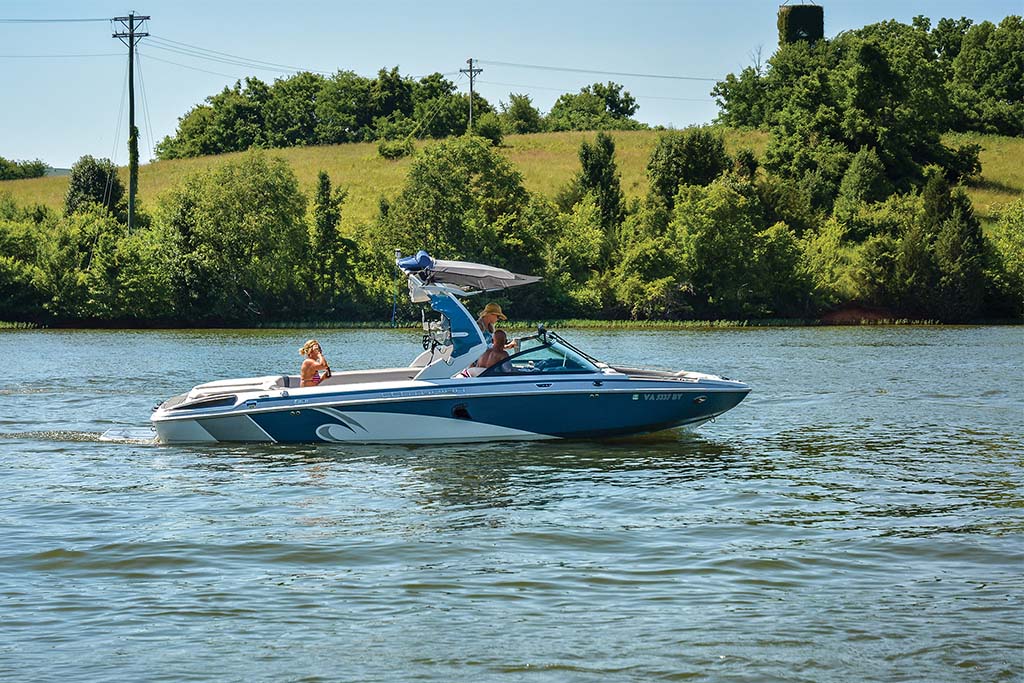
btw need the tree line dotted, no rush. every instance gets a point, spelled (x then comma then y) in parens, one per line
(958, 75)
(16, 170)
(717, 237)
(311, 109)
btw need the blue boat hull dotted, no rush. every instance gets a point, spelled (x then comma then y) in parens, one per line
(565, 414)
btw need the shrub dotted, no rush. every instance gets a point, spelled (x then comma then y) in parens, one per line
(395, 149)
(488, 126)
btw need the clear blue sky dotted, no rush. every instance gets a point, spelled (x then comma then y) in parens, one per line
(59, 108)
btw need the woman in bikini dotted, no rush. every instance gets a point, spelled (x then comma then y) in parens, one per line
(315, 361)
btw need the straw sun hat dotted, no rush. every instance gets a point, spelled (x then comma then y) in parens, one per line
(493, 309)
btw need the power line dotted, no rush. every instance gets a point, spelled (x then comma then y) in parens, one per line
(48, 21)
(596, 71)
(229, 62)
(193, 68)
(145, 105)
(95, 54)
(108, 188)
(214, 55)
(569, 90)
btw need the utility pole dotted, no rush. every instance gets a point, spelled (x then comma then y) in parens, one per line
(130, 37)
(472, 74)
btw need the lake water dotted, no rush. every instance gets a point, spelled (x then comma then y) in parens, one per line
(860, 517)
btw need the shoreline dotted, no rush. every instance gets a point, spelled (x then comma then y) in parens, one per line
(572, 323)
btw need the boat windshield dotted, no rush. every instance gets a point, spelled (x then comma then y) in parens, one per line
(546, 358)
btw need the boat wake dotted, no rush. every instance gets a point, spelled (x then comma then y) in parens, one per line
(132, 435)
(125, 435)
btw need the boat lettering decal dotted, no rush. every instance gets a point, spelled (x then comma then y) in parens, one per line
(662, 397)
(427, 392)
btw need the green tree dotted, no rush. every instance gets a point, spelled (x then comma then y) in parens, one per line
(695, 156)
(594, 107)
(742, 100)
(599, 176)
(960, 261)
(873, 271)
(343, 111)
(946, 40)
(93, 181)
(20, 239)
(488, 126)
(987, 87)
(239, 234)
(332, 255)
(230, 121)
(440, 111)
(864, 182)
(647, 280)
(574, 259)
(16, 170)
(519, 116)
(290, 110)
(391, 93)
(715, 228)
(1007, 267)
(71, 263)
(783, 286)
(827, 262)
(458, 196)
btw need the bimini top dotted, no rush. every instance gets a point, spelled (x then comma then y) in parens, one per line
(470, 277)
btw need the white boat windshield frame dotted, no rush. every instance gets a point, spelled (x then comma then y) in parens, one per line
(553, 356)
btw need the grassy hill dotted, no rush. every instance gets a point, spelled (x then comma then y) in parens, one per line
(546, 160)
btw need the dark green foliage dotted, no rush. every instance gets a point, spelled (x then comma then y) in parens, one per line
(520, 116)
(987, 86)
(240, 235)
(461, 199)
(599, 176)
(874, 271)
(938, 201)
(786, 202)
(331, 255)
(395, 149)
(960, 262)
(1006, 267)
(343, 111)
(289, 112)
(647, 283)
(801, 22)
(863, 182)
(871, 88)
(595, 107)
(308, 109)
(956, 76)
(488, 126)
(231, 120)
(946, 40)
(93, 181)
(715, 228)
(695, 156)
(783, 287)
(16, 170)
(20, 296)
(743, 100)
(745, 164)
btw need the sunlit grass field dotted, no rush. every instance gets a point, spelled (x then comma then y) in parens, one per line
(546, 160)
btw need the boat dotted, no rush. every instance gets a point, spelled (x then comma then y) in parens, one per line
(548, 388)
